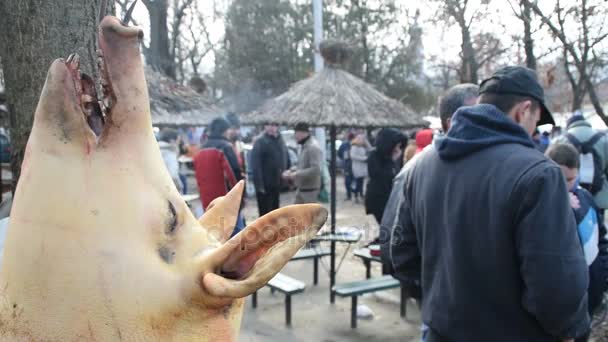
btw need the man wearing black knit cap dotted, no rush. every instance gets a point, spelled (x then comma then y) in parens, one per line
(488, 228)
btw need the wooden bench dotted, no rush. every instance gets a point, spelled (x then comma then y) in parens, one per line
(358, 288)
(287, 285)
(315, 254)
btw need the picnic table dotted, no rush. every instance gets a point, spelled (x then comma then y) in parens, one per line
(365, 255)
(347, 237)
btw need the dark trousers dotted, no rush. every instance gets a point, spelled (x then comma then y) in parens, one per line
(358, 186)
(348, 184)
(268, 201)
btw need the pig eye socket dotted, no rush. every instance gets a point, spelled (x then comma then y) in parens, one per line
(172, 222)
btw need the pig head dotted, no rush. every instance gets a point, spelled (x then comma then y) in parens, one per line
(100, 245)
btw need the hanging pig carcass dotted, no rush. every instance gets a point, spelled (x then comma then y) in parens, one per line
(101, 246)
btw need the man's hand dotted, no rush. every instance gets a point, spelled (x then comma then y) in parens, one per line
(574, 201)
(288, 175)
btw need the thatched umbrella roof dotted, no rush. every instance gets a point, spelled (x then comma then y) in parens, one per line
(334, 97)
(173, 104)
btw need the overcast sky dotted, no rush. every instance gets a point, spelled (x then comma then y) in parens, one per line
(441, 41)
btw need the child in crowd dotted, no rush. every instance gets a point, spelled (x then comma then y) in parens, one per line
(591, 230)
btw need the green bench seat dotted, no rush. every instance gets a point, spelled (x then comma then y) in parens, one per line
(312, 253)
(358, 288)
(284, 284)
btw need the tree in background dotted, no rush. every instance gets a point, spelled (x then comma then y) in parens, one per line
(479, 48)
(39, 32)
(388, 47)
(579, 28)
(169, 44)
(267, 47)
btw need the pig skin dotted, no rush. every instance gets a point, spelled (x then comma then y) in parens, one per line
(93, 251)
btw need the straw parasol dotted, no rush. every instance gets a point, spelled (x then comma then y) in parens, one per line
(334, 98)
(175, 105)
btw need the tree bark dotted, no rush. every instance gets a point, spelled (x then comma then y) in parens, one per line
(469, 66)
(528, 41)
(40, 32)
(159, 54)
(469, 60)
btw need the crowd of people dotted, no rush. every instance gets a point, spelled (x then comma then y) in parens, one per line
(496, 228)
(498, 240)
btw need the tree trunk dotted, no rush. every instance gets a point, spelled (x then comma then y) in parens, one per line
(470, 67)
(40, 32)
(595, 100)
(528, 41)
(159, 55)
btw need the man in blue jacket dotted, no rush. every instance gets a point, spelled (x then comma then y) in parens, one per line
(486, 226)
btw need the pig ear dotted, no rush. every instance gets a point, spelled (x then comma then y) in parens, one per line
(221, 215)
(250, 259)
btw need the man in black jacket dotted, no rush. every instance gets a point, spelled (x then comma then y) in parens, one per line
(218, 139)
(486, 226)
(269, 159)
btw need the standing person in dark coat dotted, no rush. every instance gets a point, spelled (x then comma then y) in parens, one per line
(382, 167)
(269, 159)
(344, 155)
(218, 138)
(486, 226)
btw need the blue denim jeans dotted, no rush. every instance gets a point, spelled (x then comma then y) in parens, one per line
(425, 331)
(240, 225)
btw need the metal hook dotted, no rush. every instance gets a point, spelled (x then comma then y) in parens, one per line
(127, 18)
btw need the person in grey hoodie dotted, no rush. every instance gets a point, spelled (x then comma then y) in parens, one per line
(459, 95)
(487, 229)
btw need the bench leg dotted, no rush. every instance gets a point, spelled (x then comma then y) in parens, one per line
(254, 299)
(368, 270)
(315, 272)
(353, 313)
(403, 303)
(288, 310)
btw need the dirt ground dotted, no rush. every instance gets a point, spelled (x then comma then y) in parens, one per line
(313, 317)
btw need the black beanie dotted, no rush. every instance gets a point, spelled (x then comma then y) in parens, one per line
(218, 127)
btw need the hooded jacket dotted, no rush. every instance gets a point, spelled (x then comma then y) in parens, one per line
(223, 144)
(486, 228)
(381, 170)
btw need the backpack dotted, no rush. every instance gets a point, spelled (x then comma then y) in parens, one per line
(591, 175)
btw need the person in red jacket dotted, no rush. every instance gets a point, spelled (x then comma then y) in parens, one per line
(213, 175)
(216, 167)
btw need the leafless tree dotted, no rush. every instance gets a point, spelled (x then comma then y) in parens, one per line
(582, 55)
(523, 11)
(475, 51)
